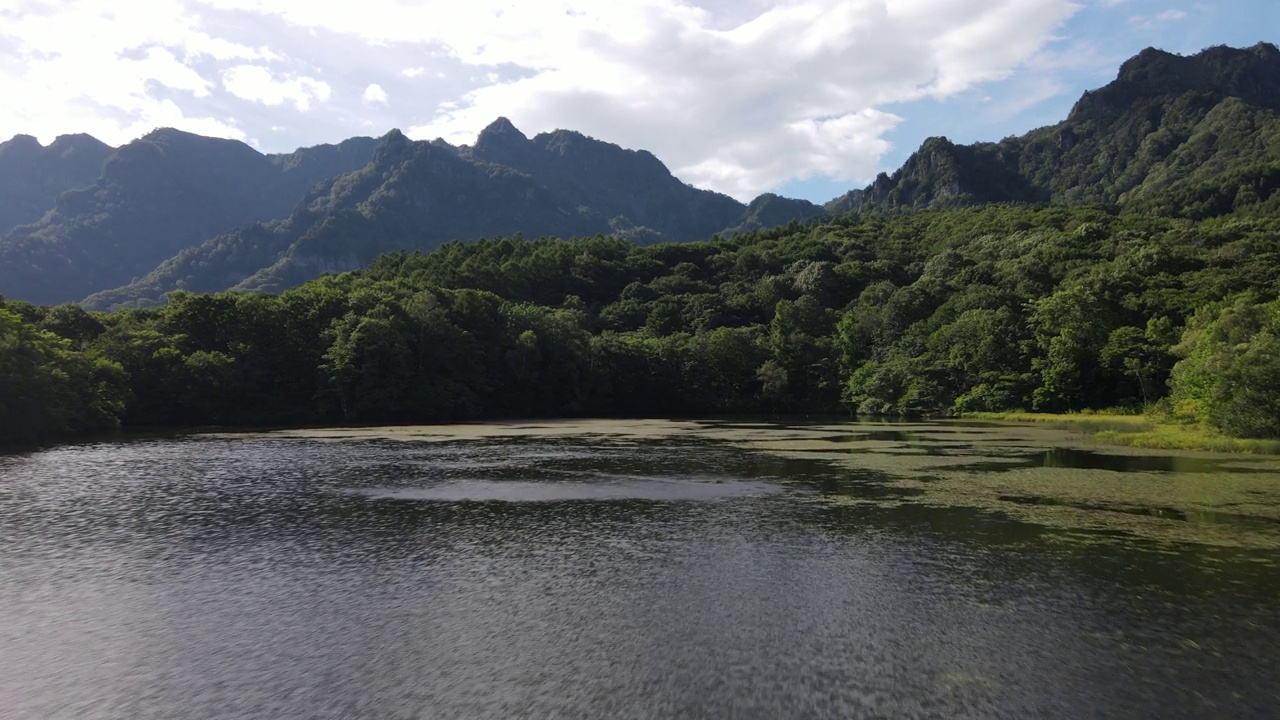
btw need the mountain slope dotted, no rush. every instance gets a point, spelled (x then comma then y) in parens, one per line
(412, 194)
(156, 196)
(770, 210)
(612, 181)
(31, 176)
(417, 195)
(1167, 123)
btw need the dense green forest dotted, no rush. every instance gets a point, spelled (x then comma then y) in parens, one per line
(989, 308)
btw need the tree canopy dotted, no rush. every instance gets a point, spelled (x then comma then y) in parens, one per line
(991, 308)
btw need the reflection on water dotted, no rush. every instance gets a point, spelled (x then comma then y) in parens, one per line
(598, 575)
(1063, 457)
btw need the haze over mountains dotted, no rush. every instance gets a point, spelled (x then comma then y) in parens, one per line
(83, 222)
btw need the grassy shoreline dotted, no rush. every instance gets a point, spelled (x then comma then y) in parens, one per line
(1139, 431)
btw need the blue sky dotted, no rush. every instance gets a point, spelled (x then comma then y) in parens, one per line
(807, 98)
(1086, 53)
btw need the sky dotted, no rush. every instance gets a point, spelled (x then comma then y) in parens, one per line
(806, 98)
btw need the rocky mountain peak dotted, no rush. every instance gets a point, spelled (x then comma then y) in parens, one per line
(1215, 73)
(500, 128)
(501, 142)
(66, 145)
(392, 148)
(20, 146)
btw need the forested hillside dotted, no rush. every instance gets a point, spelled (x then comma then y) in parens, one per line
(1158, 138)
(989, 308)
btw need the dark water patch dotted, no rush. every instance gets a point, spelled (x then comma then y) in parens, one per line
(1089, 460)
(1203, 517)
(850, 444)
(886, 435)
(868, 491)
(928, 436)
(862, 484)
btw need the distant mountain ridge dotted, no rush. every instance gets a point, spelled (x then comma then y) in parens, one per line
(155, 197)
(616, 183)
(32, 176)
(174, 210)
(419, 194)
(1167, 125)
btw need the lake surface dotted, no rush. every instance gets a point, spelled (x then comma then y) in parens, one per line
(637, 570)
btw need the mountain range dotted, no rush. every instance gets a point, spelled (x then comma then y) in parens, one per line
(417, 195)
(79, 221)
(175, 210)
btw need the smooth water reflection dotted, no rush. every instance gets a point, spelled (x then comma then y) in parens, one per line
(295, 578)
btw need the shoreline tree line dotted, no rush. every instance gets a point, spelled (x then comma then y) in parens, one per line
(999, 307)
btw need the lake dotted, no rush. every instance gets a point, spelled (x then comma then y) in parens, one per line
(638, 569)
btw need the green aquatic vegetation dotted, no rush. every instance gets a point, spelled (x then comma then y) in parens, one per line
(1193, 498)
(1186, 437)
(1230, 510)
(1141, 431)
(1031, 472)
(1080, 422)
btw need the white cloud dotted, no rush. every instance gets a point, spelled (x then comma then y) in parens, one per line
(374, 94)
(733, 95)
(1149, 22)
(794, 92)
(160, 66)
(116, 70)
(197, 44)
(257, 83)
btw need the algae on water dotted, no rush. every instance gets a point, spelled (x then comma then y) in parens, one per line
(1030, 473)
